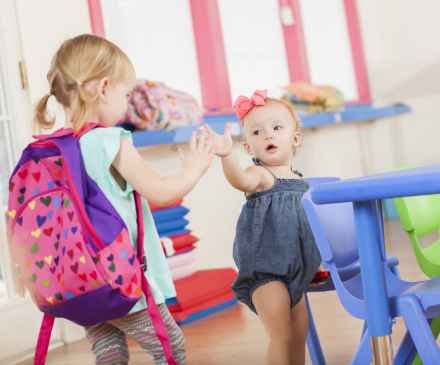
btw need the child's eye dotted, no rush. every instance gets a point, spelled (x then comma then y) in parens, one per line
(257, 133)
(277, 128)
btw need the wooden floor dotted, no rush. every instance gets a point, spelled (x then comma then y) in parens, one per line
(236, 336)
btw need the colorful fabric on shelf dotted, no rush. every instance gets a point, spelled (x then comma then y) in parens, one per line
(303, 96)
(153, 105)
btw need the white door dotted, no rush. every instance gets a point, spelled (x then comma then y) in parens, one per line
(19, 317)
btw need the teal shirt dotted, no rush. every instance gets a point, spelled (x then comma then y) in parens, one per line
(99, 148)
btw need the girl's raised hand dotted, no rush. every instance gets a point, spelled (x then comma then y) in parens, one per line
(201, 155)
(223, 142)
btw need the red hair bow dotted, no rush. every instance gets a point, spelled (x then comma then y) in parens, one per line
(243, 104)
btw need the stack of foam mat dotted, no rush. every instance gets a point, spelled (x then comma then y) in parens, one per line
(198, 292)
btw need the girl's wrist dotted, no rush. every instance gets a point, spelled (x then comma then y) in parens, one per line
(193, 168)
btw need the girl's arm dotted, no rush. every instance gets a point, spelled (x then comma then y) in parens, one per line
(245, 180)
(164, 190)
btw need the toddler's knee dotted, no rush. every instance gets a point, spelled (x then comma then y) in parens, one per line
(281, 335)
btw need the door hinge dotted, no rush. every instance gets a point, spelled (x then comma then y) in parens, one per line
(24, 80)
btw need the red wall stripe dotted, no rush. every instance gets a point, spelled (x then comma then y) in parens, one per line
(96, 18)
(357, 50)
(213, 71)
(295, 44)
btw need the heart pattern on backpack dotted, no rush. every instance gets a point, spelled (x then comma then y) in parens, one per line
(50, 239)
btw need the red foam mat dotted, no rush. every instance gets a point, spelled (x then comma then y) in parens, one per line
(203, 286)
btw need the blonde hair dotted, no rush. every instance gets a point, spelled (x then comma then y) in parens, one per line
(80, 60)
(297, 121)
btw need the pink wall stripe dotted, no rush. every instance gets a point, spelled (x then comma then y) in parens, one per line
(96, 18)
(211, 57)
(357, 50)
(295, 44)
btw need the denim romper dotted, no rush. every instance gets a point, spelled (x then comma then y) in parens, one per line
(274, 241)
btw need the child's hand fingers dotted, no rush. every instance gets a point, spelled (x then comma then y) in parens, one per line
(212, 152)
(181, 154)
(207, 146)
(228, 129)
(208, 129)
(201, 144)
(192, 142)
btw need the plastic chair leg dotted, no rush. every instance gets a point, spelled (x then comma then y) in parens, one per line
(407, 351)
(395, 271)
(313, 344)
(435, 328)
(364, 329)
(418, 326)
(363, 352)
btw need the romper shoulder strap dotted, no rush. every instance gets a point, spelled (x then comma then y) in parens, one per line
(298, 173)
(257, 162)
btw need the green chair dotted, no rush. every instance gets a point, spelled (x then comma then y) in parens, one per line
(420, 215)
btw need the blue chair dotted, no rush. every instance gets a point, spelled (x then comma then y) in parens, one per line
(348, 266)
(417, 303)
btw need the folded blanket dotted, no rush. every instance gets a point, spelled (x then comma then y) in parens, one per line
(181, 260)
(153, 207)
(169, 214)
(179, 243)
(184, 271)
(303, 96)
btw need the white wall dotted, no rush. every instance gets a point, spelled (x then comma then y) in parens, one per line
(402, 47)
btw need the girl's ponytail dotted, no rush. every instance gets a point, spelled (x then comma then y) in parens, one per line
(41, 113)
(83, 110)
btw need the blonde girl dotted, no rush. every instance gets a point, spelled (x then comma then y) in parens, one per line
(91, 78)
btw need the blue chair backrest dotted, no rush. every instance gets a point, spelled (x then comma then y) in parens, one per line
(337, 221)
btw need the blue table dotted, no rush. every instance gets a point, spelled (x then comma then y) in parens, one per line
(366, 194)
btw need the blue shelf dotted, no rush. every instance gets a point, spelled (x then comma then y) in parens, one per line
(351, 113)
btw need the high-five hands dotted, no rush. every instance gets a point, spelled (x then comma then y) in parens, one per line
(223, 142)
(201, 153)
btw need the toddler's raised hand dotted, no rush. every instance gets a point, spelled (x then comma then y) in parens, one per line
(223, 142)
(201, 155)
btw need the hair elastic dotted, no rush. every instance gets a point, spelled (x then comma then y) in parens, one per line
(49, 94)
(80, 83)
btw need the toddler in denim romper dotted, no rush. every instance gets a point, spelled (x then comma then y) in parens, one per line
(274, 248)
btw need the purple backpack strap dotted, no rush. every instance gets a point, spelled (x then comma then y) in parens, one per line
(153, 310)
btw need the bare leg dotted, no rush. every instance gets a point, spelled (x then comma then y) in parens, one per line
(299, 327)
(272, 302)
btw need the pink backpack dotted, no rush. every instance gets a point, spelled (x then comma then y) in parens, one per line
(153, 105)
(72, 247)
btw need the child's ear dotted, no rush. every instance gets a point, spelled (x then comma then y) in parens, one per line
(297, 139)
(247, 148)
(103, 89)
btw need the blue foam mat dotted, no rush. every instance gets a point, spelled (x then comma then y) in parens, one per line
(205, 312)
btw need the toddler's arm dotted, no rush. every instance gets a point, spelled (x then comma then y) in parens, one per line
(164, 190)
(245, 180)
